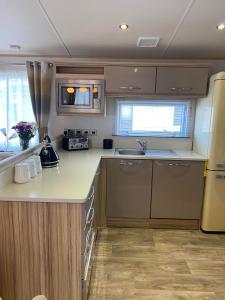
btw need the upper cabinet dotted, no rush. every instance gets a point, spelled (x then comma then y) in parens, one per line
(171, 81)
(181, 81)
(129, 80)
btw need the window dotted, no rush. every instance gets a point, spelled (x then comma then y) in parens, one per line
(156, 118)
(15, 105)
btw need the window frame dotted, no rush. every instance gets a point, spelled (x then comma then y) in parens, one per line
(190, 118)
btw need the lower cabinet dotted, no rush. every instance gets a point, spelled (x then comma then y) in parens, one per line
(163, 193)
(47, 248)
(177, 189)
(128, 188)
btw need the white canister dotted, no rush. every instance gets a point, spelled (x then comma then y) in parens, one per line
(32, 167)
(22, 172)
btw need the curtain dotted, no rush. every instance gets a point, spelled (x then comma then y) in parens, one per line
(40, 76)
(15, 104)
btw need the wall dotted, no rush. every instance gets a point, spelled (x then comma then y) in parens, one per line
(104, 125)
(105, 128)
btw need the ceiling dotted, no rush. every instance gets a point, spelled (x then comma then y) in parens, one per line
(89, 28)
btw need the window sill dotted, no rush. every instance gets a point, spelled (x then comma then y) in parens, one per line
(152, 136)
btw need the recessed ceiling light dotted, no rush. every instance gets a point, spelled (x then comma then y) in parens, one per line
(15, 47)
(220, 26)
(123, 26)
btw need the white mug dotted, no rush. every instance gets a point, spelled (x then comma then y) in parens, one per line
(22, 172)
(37, 160)
(32, 166)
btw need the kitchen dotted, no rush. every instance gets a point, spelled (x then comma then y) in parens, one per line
(132, 220)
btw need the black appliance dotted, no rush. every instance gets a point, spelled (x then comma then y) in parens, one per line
(49, 157)
(107, 144)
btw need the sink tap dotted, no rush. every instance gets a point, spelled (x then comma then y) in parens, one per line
(143, 144)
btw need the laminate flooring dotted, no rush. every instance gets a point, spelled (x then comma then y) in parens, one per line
(155, 264)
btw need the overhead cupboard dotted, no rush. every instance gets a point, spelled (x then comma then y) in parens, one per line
(156, 81)
(82, 90)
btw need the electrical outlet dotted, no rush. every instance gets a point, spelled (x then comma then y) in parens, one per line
(93, 131)
(85, 131)
(70, 132)
(78, 131)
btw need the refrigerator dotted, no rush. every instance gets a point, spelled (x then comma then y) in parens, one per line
(209, 140)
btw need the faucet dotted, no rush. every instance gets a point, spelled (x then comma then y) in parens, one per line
(143, 144)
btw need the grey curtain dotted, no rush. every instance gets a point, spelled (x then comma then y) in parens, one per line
(40, 76)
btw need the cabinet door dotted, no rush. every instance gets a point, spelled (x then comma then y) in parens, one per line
(181, 81)
(128, 188)
(177, 189)
(130, 80)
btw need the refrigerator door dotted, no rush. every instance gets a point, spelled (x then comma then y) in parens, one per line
(213, 215)
(217, 140)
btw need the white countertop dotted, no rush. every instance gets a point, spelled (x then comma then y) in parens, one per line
(71, 181)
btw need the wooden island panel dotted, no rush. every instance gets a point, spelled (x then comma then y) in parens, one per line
(40, 250)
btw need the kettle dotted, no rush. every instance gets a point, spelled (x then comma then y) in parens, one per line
(49, 157)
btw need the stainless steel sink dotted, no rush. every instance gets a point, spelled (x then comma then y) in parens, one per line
(131, 152)
(145, 152)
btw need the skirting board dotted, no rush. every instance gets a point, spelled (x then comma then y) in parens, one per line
(153, 223)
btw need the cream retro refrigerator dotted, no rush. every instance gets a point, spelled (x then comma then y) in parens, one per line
(209, 140)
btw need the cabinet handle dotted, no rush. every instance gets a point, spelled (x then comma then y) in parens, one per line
(220, 177)
(183, 89)
(90, 216)
(186, 89)
(177, 165)
(130, 88)
(123, 163)
(92, 193)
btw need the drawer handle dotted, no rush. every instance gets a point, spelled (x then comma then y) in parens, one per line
(220, 177)
(178, 165)
(88, 241)
(130, 88)
(174, 89)
(90, 216)
(92, 193)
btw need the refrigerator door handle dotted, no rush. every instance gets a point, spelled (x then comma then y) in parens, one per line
(220, 177)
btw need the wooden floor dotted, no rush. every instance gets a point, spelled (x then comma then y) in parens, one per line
(157, 264)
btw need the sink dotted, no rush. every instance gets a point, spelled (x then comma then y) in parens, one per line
(146, 152)
(130, 152)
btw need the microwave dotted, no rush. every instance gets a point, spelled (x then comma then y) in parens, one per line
(80, 96)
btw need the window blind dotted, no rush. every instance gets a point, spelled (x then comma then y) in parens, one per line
(157, 118)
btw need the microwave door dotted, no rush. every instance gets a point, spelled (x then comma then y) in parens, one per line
(76, 96)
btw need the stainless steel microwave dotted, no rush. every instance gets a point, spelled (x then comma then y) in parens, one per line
(80, 96)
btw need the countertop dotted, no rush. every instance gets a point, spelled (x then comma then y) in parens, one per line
(71, 181)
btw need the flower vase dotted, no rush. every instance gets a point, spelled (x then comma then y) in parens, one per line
(24, 143)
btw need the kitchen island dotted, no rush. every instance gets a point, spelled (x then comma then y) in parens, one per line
(48, 226)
